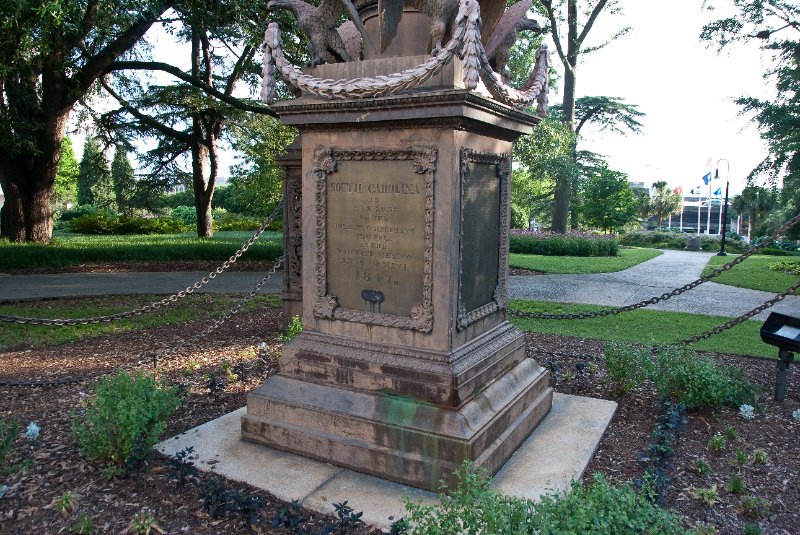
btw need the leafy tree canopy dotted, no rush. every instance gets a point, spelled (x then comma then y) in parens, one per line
(608, 202)
(65, 187)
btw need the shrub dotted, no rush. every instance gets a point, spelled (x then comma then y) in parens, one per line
(598, 508)
(185, 214)
(102, 223)
(628, 366)
(99, 223)
(553, 244)
(82, 210)
(790, 267)
(125, 417)
(663, 239)
(696, 380)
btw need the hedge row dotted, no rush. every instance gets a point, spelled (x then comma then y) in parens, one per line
(660, 239)
(547, 244)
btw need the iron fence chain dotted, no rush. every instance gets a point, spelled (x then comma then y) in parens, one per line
(667, 295)
(152, 307)
(164, 355)
(736, 321)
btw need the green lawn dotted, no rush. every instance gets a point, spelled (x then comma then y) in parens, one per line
(646, 327)
(192, 307)
(68, 249)
(754, 273)
(583, 264)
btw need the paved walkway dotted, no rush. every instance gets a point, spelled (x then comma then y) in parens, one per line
(651, 279)
(643, 281)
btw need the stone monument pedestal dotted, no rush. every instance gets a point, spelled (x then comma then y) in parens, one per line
(406, 366)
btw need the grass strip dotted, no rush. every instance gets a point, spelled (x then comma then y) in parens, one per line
(628, 257)
(69, 249)
(192, 307)
(753, 273)
(646, 327)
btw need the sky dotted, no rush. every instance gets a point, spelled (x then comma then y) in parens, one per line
(686, 90)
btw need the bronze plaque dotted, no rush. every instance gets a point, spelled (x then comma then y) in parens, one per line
(480, 238)
(376, 235)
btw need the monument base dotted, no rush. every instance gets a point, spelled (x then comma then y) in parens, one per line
(397, 437)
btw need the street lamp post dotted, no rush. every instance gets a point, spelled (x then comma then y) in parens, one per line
(724, 206)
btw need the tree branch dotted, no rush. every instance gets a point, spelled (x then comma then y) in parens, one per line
(548, 7)
(177, 73)
(588, 26)
(99, 63)
(146, 119)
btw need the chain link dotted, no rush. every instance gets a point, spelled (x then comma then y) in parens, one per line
(152, 307)
(165, 355)
(667, 295)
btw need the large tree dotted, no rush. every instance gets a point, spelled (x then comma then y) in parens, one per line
(123, 180)
(65, 187)
(665, 201)
(570, 43)
(94, 176)
(775, 26)
(51, 54)
(188, 118)
(609, 202)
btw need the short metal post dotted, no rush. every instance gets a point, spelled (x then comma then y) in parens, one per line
(784, 359)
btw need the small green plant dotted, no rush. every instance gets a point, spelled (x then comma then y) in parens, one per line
(227, 369)
(8, 431)
(755, 507)
(706, 495)
(190, 367)
(628, 366)
(760, 457)
(568, 377)
(735, 484)
(294, 328)
(717, 443)
(751, 529)
(599, 508)
(705, 530)
(65, 504)
(143, 522)
(125, 418)
(288, 517)
(181, 466)
(731, 433)
(698, 381)
(739, 457)
(82, 526)
(702, 467)
(348, 518)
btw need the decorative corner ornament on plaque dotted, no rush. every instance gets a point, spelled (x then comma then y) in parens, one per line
(483, 284)
(374, 235)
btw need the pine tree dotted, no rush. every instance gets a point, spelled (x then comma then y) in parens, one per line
(123, 180)
(94, 177)
(65, 187)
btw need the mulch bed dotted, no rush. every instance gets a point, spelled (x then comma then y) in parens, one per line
(159, 266)
(50, 466)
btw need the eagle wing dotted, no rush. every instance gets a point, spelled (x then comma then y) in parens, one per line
(389, 14)
(491, 13)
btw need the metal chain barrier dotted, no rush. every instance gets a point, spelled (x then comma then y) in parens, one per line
(156, 304)
(668, 295)
(165, 355)
(736, 321)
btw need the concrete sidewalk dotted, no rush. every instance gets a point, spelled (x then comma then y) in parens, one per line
(651, 279)
(643, 281)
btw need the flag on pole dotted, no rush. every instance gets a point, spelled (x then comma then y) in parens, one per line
(707, 178)
(696, 191)
(717, 192)
(678, 190)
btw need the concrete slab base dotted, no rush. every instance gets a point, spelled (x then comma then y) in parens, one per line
(557, 452)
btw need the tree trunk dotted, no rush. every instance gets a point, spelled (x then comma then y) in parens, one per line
(27, 183)
(202, 195)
